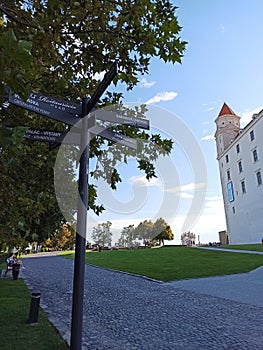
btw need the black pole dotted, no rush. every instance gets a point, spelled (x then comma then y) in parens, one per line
(34, 308)
(80, 247)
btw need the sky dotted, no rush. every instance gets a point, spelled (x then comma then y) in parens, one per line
(222, 63)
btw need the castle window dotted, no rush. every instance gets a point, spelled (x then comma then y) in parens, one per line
(227, 159)
(243, 186)
(234, 210)
(238, 148)
(259, 178)
(252, 135)
(230, 191)
(228, 175)
(255, 155)
(240, 168)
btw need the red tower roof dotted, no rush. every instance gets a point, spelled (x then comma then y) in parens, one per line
(226, 110)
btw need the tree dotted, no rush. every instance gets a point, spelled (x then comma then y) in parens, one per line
(101, 234)
(128, 236)
(162, 231)
(63, 238)
(144, 231)
(56, 48)
(188, 238)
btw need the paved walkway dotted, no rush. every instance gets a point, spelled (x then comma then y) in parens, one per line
(126, 312)
(230, 250)
(243, 287)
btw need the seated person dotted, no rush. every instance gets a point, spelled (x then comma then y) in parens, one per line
(11, 261)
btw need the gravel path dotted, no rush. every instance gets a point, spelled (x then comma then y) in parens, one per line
(126, 312)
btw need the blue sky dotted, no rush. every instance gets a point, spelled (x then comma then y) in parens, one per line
(222, 63)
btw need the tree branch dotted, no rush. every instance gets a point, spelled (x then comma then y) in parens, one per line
(13, 15)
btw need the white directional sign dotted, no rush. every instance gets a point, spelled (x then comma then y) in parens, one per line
(114, 117)
(44, 135)
(114, 136)
(73, 138)
(60, 110)
(69, 112)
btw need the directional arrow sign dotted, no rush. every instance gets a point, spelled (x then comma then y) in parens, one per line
(57, 104)
(44, 135)
(60, 110)
(114, 136)
(57, 137)
(113, 117)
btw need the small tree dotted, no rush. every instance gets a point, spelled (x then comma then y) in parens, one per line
(64, 238)
(162, 231)
(128, 236)
(144, 231)
(101, 234)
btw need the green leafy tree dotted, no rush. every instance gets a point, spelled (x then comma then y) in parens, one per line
(144, 231)
(63, 238)
(128, 236)
(101, 234)
(56, 48)
(162, 231)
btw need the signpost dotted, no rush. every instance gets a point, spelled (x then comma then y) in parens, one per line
(114, 136)
(70, 113)
(114, 117)
(44, 135)
(80, 247)
(60, 110)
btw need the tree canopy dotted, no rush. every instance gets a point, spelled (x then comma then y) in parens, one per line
(101, 234)
(127, 237)
(162, 231)
(152, 232)
(56, 48)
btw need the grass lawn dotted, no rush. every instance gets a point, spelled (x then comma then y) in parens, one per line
(15, 333)
(253, 247)
(174, 263)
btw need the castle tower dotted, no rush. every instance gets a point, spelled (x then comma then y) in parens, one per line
(227, 128)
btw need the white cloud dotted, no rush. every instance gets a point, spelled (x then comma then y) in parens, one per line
(246, 117)
(210, 109)
(142, 181)
(208, 137)
(184, 189)
(192, 186)
(146, 84)
(186, 195)
(162, 96)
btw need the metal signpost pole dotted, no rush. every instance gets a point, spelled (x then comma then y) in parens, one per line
(66, 112)
(80, 247)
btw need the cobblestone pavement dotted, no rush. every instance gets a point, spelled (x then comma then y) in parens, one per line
(126, 312)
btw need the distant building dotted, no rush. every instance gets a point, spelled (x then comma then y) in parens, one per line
(240, 160)
(188, 238)
(223, 237)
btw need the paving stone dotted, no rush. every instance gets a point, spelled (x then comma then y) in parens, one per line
(127, 312)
